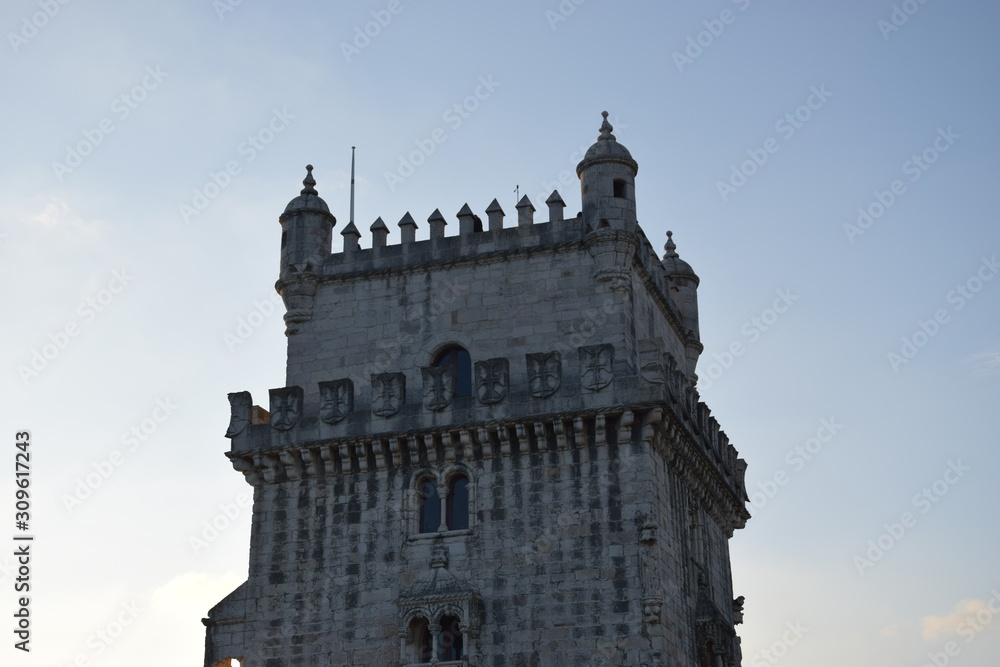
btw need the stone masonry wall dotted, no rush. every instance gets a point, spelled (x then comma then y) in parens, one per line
(520, 290)
(553, 549)
(580, 549)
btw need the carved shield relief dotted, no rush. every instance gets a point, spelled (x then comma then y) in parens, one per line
(492, 378)
(651, 368)
(388, 393)
(336, 400)
(239, 407)
(439, 386)
(596, 366)
(286, 407)
(544, 373)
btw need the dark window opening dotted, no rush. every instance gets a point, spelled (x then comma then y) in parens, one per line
(284, 239)
(457, 504)
(430, 507)
(424, 641)
(450, 641)
(619, 185)
(461, 364)
(708, 657)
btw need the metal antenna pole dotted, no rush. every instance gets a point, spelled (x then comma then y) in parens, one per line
(352, 183)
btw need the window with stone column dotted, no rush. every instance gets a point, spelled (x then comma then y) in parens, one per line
(442, 502)
(439, 616)
(440, 643)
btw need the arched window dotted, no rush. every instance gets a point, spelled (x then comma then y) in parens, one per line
(430, 506)
(707, 656)
(451, 644)
(457, 506)
(423, 641)
(458, 358)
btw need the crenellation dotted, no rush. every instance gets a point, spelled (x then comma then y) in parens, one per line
(495, 214)
(467, 221)
(380, 233)
(407, 229)
(437, 224)
(556, 206)
(352, 238)
(525, 212)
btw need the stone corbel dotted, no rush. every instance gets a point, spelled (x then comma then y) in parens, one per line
(298, 291)
(613, 251)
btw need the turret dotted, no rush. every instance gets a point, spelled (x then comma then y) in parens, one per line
(306, 236)
(607, 181)
(683, 283)
(306, 230)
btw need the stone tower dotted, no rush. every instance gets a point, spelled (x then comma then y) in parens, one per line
(489, 449)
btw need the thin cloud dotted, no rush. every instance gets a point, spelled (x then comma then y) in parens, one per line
(940, 626)
(57, 214)
(986, 362)
(890, 630)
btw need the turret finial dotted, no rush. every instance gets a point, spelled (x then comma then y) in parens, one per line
(606, 129)
(309, 182)
(670, 246)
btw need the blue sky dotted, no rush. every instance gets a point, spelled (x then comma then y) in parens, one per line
(142, 271)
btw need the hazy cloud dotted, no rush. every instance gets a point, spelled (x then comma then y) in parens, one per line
(940, 626)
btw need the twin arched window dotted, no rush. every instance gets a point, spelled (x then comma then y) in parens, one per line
(454, 506)
(447, 644)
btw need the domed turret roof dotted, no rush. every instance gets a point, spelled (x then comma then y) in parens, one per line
(308, 199)
(606, 147)
(673, 264)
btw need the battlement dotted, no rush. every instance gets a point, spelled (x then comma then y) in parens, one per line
(474, 244)
(471, 243)
(490, 289)
(556, 405)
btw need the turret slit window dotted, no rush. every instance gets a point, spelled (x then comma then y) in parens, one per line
(458, 358)
(430, 506)
(457, 507)
(451, 644)
(619, 185)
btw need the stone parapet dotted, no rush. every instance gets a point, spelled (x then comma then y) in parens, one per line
(661, 408)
